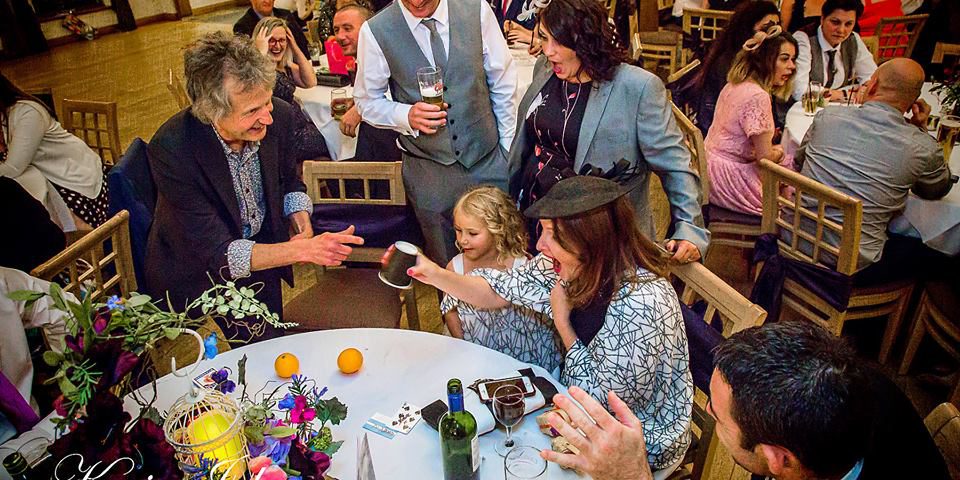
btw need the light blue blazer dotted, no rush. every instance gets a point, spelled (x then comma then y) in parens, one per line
(626, 118)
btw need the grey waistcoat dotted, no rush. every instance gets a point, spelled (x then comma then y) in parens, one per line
(471, 133)
(848, 55)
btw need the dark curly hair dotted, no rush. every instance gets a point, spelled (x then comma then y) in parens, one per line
(582, 26)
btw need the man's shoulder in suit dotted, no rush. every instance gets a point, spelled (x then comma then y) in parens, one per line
(246, 23)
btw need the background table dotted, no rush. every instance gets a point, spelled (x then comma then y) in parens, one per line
(936, 222)
(316, 104)
(399, 366)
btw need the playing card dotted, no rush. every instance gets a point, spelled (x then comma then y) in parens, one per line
(205, 379)
(403, 421)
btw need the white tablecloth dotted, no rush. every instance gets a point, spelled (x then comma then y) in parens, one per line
(316, 103)
(936, 222)
(399, 366)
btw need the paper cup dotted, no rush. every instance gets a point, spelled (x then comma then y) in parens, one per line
(393, 267)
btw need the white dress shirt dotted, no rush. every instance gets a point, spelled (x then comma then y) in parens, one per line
(863, 66)
(373, 72)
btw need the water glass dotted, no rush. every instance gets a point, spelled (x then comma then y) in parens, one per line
(524, 463)
(508, 409)
(812, 98)
(339, 103)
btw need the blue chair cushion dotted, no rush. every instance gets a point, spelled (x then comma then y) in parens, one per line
(379, 225)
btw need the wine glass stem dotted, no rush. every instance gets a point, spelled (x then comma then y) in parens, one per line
(509, 441)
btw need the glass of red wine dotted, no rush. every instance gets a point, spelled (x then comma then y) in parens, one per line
(508, 409)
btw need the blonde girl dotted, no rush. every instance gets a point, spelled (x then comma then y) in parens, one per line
(491, 233)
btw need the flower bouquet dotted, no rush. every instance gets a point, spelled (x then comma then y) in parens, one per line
(290, 437)
(949, 91)
(104, 357)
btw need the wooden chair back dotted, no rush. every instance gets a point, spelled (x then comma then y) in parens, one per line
(179, 92)
(941, 50)
(693, 140)
(660, 60)
(611, 6)
(664, 4)
(873, 46)
(316, 174)
(943, 423)
(736, 311)
(794, 206)
(99, 264)
(710, 459)
(313, 33)
(897, 36)
(96, 124)
(704, 24)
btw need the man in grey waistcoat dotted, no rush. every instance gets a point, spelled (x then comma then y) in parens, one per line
(445, 151)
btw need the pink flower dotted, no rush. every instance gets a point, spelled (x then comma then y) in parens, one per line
(258, 463)
(300, 413)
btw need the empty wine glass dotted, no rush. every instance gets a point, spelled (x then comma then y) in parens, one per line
(524, 463)
(508, 409)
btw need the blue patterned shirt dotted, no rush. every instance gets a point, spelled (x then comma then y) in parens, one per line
(248, 185)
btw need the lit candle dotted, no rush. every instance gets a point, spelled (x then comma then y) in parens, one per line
(212, 426)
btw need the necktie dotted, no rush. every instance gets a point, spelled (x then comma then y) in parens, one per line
(436, 44)
(831, 68)
(506, 5)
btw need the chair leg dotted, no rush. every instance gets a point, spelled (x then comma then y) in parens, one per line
(409, 297)
(919, 331)
(893, 325)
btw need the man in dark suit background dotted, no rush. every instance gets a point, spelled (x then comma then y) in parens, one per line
(264, 8)
(228, 191)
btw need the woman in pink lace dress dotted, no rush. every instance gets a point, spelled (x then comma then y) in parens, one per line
(742, 131)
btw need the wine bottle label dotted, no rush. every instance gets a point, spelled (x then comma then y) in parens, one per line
(475, 450)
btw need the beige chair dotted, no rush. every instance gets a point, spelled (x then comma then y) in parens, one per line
(938, 315)
(179, 92)
(801, 219)
(896, 36)
(313, 32)
(333, 302)
(707, 458)
(873, 45)
(664, 4)
(99, 264)
(704, 23)
(693, 140)
(943, 423)
(943, 49)
(184, 348)
(96, 124)
(661, 59)
(611, 6)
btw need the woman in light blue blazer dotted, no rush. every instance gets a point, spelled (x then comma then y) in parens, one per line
(588, 112)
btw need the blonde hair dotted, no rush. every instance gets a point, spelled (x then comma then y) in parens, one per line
(500, 216)
(269, 24)
(759, 64)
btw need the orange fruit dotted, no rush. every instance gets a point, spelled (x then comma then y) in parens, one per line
(286, 365)
(350, 361)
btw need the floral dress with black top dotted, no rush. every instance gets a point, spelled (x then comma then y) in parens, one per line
(555, 123)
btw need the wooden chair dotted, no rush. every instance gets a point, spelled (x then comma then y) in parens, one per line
(664, 4)
(943, 49)
(707, 458)
(661, 59)
(179, 92)
(96, 124)
(184, 348)
(693, 140)
(943, 423)
(938, 315)
(896, 36)
(318, 307)
(813, 237)
(611, 6)
(97, 265)
(313, 33)
(704, 25)
(873, 45)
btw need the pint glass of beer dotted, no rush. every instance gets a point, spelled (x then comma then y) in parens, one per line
(340, 103)
(431, 85)
(947, 134)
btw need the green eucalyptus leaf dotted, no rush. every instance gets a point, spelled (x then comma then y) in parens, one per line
(171, 333)
(66, 386)
(280, 432)
(137, 300)
(223, 309)
(254, 434)
(25, 295)
(52, 358)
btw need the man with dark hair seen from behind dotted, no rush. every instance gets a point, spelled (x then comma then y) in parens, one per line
(228, 191)
(264, 8)
(791, 402)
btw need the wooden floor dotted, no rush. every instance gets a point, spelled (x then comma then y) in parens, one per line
(130, 68)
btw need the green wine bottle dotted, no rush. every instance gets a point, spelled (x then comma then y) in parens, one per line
(458, 437)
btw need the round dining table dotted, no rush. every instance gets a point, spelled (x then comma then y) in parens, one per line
(398, 366)
(936, 222)
(316, 104)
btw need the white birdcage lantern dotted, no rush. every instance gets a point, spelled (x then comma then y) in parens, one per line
(206, 425)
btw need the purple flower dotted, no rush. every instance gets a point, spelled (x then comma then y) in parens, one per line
(276, 448)
(287, 402)
(220, 375)
(300, 413)
(100, 324)
(319, 394)
(75, 343)
(227, 387)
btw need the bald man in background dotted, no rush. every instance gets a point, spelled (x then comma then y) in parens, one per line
(877, 155)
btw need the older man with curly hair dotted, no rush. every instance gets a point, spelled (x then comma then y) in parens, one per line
(228, 193)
